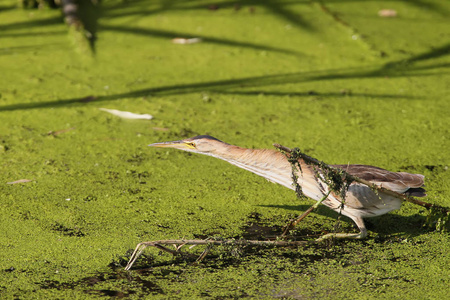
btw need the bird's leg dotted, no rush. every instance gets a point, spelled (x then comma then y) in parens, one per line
(362, 232)
(294, 223)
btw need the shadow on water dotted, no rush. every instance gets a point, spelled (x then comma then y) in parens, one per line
(142, 280)
(28, 34)
(28, 24)
(426, 5)
(4, 8)
(277, 8)
(166, 34)
(25, 48)
(89, 14)
(127, 284)
(421, 4)
(319, 95)
(401, 68)
(149, 269)
(436, 52)
(385, 225)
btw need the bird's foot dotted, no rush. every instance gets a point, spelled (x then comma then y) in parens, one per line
(360, 235)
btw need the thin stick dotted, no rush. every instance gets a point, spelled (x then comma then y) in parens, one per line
(307, 212)
(316, 162)
(203, 255)
(173, 252)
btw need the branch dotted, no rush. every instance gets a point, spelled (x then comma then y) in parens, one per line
(158, 244)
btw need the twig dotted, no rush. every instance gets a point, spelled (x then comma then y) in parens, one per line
(203, 255)
(58, 132)
(302, 216)
(373, 186)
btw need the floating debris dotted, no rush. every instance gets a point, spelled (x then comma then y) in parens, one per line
(387, 13)
(58, 132)
(183, 41)
(19, 181)
(160, 129)
(127, 114)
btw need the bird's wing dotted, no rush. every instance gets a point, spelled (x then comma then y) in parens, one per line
(400, 182)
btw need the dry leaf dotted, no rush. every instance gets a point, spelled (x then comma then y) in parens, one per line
(160, 129)
(184, 41)
(387, 13)
(127, 114)
(19, 181)
(58, 132)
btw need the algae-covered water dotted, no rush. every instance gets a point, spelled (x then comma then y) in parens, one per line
(331, 77)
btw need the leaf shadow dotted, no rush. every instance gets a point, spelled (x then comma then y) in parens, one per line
(401, 68)
(278, 8)
(166, 34)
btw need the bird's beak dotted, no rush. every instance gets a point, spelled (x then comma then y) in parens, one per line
(174, 144)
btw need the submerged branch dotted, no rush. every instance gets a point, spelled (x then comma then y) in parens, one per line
(209, 242)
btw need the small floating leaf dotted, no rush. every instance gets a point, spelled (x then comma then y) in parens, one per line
(19, 181)
(387, 13)
(184, 41)
(127, 114)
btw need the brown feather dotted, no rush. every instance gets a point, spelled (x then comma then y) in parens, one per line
(397, 181)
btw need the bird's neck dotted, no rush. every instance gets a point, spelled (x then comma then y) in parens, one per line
(275, 167)
(267, 163)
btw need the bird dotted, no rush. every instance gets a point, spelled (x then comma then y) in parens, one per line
(360, 201)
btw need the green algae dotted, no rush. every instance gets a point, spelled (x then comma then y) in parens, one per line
(366, 90)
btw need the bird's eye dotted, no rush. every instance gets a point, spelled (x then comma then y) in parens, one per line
(190, 145)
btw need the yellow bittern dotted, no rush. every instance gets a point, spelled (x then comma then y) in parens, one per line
(360, 202)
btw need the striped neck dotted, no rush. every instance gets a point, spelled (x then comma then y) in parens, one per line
(273, 166)
(266, 163)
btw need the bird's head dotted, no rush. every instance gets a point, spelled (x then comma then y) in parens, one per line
(203, 144)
